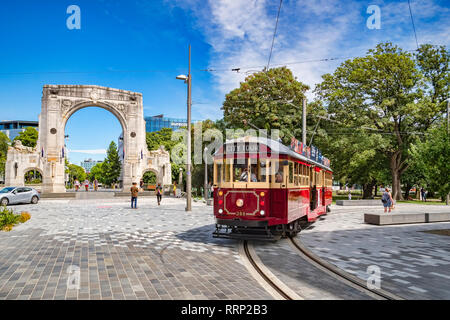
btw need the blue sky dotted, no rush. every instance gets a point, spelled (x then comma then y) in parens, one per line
(154, 35)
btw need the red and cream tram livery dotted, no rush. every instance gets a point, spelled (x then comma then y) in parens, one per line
(266, 190)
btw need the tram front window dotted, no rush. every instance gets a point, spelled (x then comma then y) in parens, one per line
(240, 170)
(258, 170)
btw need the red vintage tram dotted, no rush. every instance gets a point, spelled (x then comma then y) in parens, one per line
(265, 190)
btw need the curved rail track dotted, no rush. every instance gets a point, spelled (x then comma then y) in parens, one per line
(280, 291)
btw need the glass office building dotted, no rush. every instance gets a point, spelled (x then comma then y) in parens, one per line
(158, 122)
(88, 164)
(13, 128)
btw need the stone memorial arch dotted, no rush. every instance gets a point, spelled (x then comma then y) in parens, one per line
(59, 103)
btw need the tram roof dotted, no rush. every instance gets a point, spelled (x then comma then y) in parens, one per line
(275, 146)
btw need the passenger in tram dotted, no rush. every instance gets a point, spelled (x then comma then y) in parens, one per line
(244, 175)
(278, 177)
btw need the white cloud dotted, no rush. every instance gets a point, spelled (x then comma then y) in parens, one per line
(240, 33)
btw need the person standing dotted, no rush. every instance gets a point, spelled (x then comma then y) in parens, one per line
(134, 195)
(174, 188)
(141, 184)
(159, 193)
(77, 185)
(386, 198)
(86, 184)
(95, 185)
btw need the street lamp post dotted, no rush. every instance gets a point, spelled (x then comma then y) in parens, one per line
(188, 79)
(206, 174)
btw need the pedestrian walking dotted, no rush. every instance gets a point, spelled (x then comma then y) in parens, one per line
(77, 185)
(95, 185)
(349, 195)
(175, 189)
(386, 198)
(423, 193)
(211, 189)
(86, 184)
(159, 192)
(134, 195)
(141, 184)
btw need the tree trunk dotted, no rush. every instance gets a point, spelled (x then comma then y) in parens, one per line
(376, 191)
(408, 187)
(396, 173)
(368, 190)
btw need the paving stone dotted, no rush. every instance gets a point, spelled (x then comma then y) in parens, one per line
(149, 253)
(413, 264)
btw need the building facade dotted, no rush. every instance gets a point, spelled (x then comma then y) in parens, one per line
(14, 127)
(156, 123)
(88, 164)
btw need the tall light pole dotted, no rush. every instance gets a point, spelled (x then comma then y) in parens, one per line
(206, 174)
(304, 122)
(188, 79)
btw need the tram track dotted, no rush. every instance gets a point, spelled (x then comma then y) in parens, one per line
(264, 276)
(340, 274)
(281, 291)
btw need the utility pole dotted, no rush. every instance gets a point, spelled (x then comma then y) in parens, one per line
(206, 175)
(188, 164)
(304, 122)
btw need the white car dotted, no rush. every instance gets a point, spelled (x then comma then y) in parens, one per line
(14, 195)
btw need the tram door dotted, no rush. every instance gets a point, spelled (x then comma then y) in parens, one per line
(312, 188)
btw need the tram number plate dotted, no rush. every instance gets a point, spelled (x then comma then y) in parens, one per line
(240, 214)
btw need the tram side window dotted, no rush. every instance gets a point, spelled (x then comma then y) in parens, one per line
(296, 173)
(279, 172)
(219, 172)
(227, 176)
(291, 172)
(240, 170)
(258, 172)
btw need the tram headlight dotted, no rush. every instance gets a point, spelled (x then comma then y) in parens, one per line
(220, 211)
(220, 193)
(262, 212)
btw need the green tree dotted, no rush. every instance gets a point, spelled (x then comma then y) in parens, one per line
(97, 172)
(28, 137)
(76, 172)
(112, 165)
(4, 144)
(149, 177)
(383, 94)
(266, 99)
(160, 138)
(432, 157)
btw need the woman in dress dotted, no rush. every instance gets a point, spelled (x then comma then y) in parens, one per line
(386, 198)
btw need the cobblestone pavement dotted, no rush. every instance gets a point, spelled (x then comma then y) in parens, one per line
(413, 264)
(149, 253)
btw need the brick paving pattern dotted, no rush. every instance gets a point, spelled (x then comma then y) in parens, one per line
(413, 264)
(149, 253)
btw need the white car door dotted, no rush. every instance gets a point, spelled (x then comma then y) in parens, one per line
(21, 195)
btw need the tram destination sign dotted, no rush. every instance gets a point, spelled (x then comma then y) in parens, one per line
(242, 148)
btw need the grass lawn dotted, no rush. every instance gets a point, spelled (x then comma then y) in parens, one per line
(428, 202)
